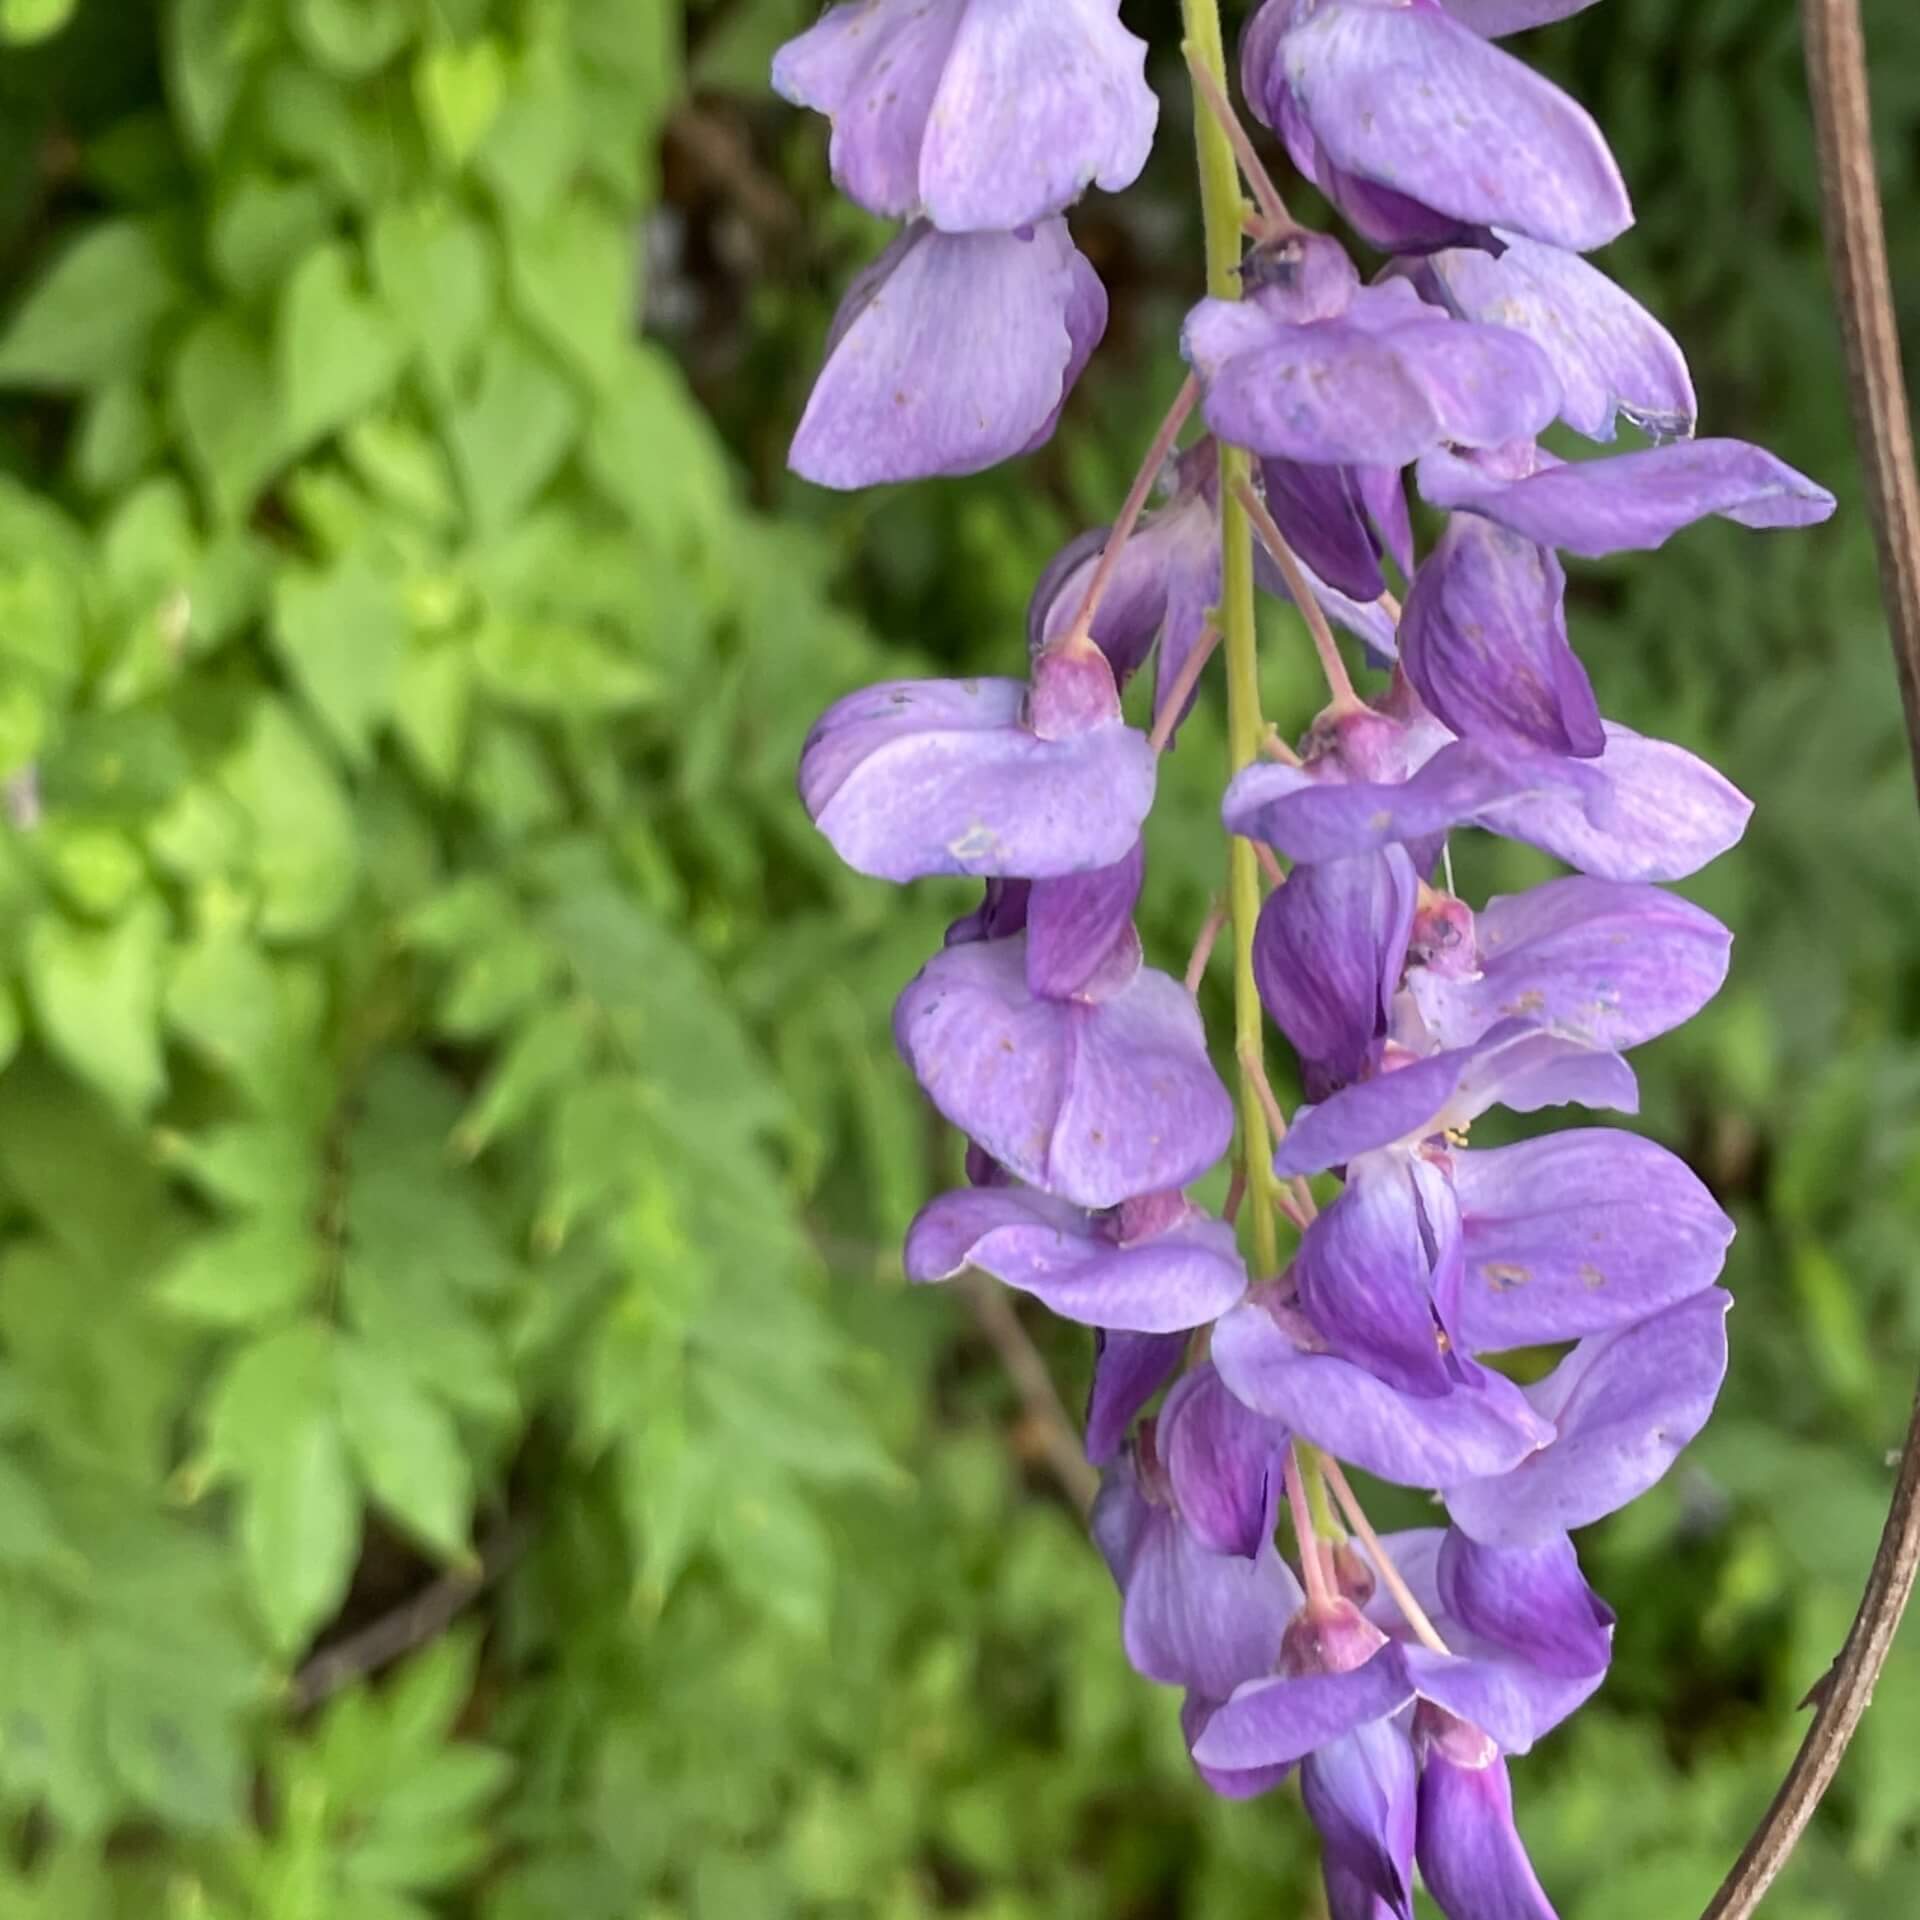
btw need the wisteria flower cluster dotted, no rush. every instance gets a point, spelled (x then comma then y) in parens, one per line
(1396, 1675)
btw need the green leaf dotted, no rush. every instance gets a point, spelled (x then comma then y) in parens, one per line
(655, 454)
(510, 440)
(229, 412)
(302, 851)
(353, 37)
(223, 999)
(548, 668)
(534, 144)
(272, 1426)
(261, 226)
(433, 701)
(407, 1448)
(118, 437)
(207, 46)
(96, 998)
(90, 318)
(336, 349)
(342, 635)
(25, 21)
(244, 1276)
(438, 272)
(459, 90)
(573, 281)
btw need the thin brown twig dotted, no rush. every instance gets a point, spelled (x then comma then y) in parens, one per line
(1058, 1438)
(1332, 662)
(1857, 249)
(723, 152)
(1275, 220)
(1181, 691)
(1133, 506)
(409, 1626)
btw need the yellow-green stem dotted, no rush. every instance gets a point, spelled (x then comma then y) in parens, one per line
(1224, 208)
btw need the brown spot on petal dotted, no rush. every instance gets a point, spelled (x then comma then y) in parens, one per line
(1503, 1278)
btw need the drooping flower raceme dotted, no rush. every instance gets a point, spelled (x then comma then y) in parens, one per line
(1395, 1677)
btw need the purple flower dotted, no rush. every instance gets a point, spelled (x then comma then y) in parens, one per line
(1497, 17)
(1629, 501)
(1193, 1615)
(1128, 1370)
(1393, 109)
(1339, 521)
(978, 114)
(1375, 383)
(1153, 1265)
(1484, 643)
(1274, 1359)
(1578, 1232)
(1623, 1404)
(1470, 1852)
(1096, 1099)
(1641, 810)
(1611, 356)
(1514, 1064)
(1328, 955)
(1609, 963)
(1165, 581)
(920, 777)
(950, 353)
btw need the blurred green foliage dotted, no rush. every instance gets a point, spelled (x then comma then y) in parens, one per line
(448, 1134)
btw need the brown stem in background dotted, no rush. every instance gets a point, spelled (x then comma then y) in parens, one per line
(1057, 1438)
(410, 1626)
(1857, 250)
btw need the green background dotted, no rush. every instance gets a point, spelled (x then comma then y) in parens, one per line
(448, 1132)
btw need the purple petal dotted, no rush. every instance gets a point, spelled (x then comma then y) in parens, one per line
(1184, 1277)
(1633, 502)
(1624, 1404)
(1471, 1855)
(1366, 1273)
(1578, 1233)
(1086, 318)
(1606, 962)
(1231, 1783)
(1611, 355)
(1314, 819)
(1496, 17)
(874, 71)
(1336, 1405)
(954, 354)
(1095, 1103)
(1277, 1719)
(1515, 1065)
(1040, 99)
(1223, 1461)
(1128, 1370)
(1484, 642)
(1167, 575)
(1321, 512)
(1327, 956)
(1074, 922)
(1367, 620)
(1512, 1702)
(1410, 98)
(1532, 1601)
(1665, 813)
(1360, 1791)
(1203, 1620)
(981, 116)
(919, 777)
(1377, 387)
